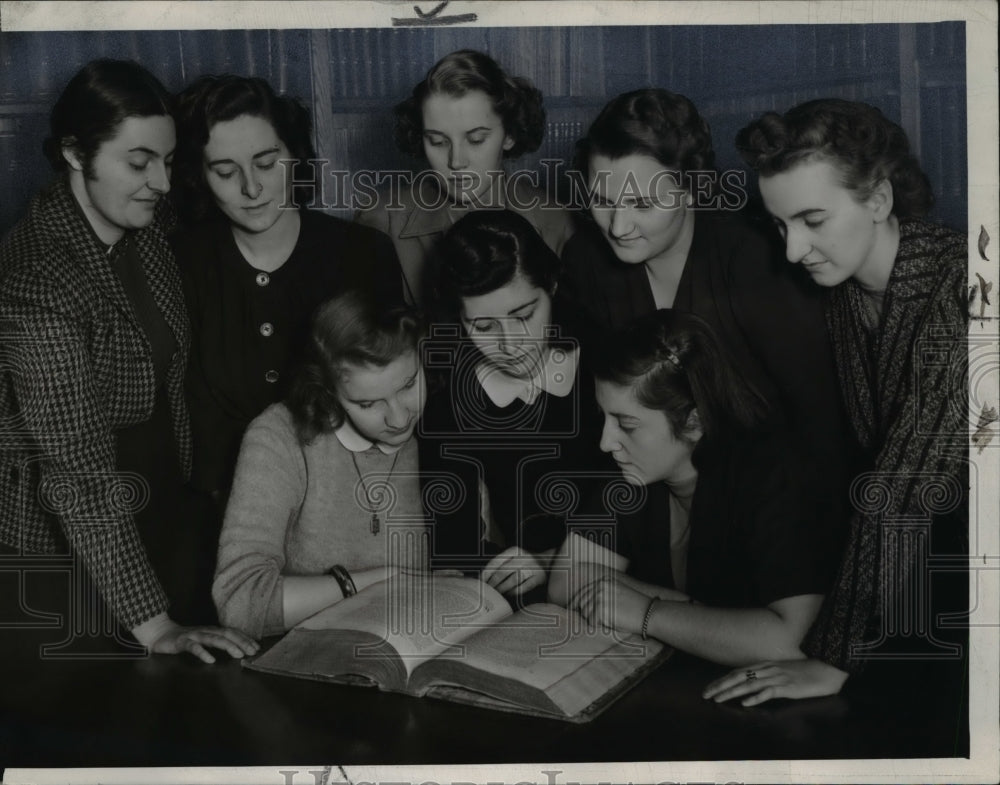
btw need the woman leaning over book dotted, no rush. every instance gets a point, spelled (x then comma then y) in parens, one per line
(255, 263)
(464, 119)
(670, 231)
(98, 443)
(512, 416)
(326, 495)
(728, 565)
(846, 194)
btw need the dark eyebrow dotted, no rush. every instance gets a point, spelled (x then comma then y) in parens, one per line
(470, 131)
(620, 416)
(148, 151)
(256, 156)
(522, 307)
(511, 312)
(808, 211)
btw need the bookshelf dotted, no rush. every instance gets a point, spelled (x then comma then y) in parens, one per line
(352, 78)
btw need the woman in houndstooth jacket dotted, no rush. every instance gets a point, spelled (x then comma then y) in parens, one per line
(93, 318)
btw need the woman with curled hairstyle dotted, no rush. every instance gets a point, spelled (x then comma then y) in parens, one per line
(326, 487)
(727, 564)
(255, 262)
(847, 197)
(668, 231)
(92, 313)
(463, 121)
(512, 416)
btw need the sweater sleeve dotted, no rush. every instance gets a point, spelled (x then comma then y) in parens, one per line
(211, 427)
(267, 494)
(61, 412)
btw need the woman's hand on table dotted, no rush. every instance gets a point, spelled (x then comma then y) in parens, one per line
(514, 571)
(611, 603)
(197, 640)
(793, 679)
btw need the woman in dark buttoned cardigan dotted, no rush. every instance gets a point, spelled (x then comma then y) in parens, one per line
(255, 264)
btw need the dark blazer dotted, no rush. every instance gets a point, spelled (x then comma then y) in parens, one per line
(769, 319)
(753, 535)
(79, 367)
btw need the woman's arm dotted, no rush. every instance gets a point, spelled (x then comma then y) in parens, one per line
(732, 636)
(580, 561)
(762, 681)
(268, 489)
(212, 430)
(62, 412)
(304, 595)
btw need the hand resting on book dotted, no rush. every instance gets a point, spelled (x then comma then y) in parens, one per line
(514, 571)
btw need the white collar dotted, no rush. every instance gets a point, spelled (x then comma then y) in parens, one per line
(556, 378)
(348, 436)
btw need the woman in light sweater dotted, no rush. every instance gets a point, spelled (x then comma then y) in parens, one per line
(326, 495)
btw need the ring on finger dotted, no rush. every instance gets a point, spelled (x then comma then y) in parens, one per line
(751, 675)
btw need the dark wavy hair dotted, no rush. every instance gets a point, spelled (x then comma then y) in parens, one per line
(517, 102)
(352, 328)
(674, 363)
(217, 99)
(652, 122)
(483, 252)
(857, 139)
(99, 97)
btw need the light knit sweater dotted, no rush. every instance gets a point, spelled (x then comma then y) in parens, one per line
(299, 509)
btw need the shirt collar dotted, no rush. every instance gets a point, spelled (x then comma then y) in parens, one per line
(556, 378)
(349, 436)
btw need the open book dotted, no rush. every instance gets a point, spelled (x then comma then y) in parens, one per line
(458, 639)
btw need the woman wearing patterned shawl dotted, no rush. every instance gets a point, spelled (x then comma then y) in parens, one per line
(846, 195)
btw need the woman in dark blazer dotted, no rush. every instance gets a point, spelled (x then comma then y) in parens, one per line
(668, 233)
(730, 566)
(91, 307)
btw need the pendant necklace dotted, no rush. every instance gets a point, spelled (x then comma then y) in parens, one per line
(376, 523)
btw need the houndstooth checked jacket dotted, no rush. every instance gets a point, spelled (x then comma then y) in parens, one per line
(75, 366)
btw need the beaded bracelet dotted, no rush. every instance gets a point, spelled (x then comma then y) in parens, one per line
(645, 619)
(343, 578)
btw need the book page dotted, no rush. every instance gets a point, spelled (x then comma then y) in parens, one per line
(544, 643)
(421, 616)
(543, 658)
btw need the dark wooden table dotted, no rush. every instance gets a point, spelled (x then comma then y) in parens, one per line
(169, 711)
